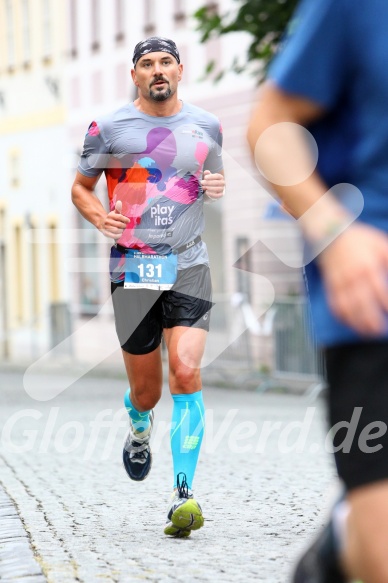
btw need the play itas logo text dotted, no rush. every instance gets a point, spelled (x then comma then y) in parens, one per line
(162, 215)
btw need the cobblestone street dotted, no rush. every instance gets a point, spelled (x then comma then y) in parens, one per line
(264, 483)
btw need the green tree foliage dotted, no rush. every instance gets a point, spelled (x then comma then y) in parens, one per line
(264, 20)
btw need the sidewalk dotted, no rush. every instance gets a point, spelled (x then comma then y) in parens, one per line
(17, 561)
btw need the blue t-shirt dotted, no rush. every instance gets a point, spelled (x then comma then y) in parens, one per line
(335, 54)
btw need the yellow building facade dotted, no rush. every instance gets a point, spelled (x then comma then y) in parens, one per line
(33, 150)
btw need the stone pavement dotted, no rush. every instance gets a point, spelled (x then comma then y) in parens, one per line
(17, 562)
(265, 484)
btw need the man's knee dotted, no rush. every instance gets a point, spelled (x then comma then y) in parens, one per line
(382, 574)
(143, 396)
(186, 378)
(368, 525)
(374, 567)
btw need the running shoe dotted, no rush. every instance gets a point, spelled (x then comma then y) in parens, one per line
(320, 562)
(184, 513)
(137, 456)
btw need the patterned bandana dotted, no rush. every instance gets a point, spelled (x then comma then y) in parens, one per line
(155, 44)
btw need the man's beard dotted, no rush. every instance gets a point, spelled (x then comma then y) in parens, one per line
(160, 95)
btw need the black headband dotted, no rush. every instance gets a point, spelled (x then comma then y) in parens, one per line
(155, 44)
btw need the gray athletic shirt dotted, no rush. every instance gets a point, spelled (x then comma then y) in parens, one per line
(154, 165)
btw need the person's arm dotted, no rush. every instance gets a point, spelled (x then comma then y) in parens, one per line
(355, 264)
(213, 185)
(283, 156)
(213, 179)
(111, 224)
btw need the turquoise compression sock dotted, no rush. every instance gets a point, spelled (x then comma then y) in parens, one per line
(140, 420)
(188, 423)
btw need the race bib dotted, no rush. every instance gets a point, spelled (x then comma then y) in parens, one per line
(158, 272)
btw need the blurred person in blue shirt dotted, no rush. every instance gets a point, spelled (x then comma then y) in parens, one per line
(331, 77)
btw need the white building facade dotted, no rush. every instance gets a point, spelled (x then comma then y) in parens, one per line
(64, 63)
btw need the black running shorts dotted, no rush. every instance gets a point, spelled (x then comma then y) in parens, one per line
(141, 315)
(358, 400)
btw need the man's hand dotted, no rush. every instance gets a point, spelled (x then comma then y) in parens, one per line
(213, 184)
(114, 223)
(355, 272)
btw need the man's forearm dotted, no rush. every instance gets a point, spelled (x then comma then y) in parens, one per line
(88, 205)
(319, 213)
(283, 154)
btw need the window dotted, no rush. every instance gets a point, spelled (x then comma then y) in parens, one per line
(149, 17)
(122, 81)
(10, 35)
(26, 32)
(4, 308)
(212, 8)
(97, 87)
(75, 92)
(95, 20)
(46, 27)
(18, 274)
(14, 165)
(120, 21)
(89, 282)
(53, 262)
(184, 56)
(2, 220)
(35, 272)
(73, 23)
(179, 11)
(213, 57)
(243, 264)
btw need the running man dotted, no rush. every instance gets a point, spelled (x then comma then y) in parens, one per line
(331, 76)
(162, 160)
